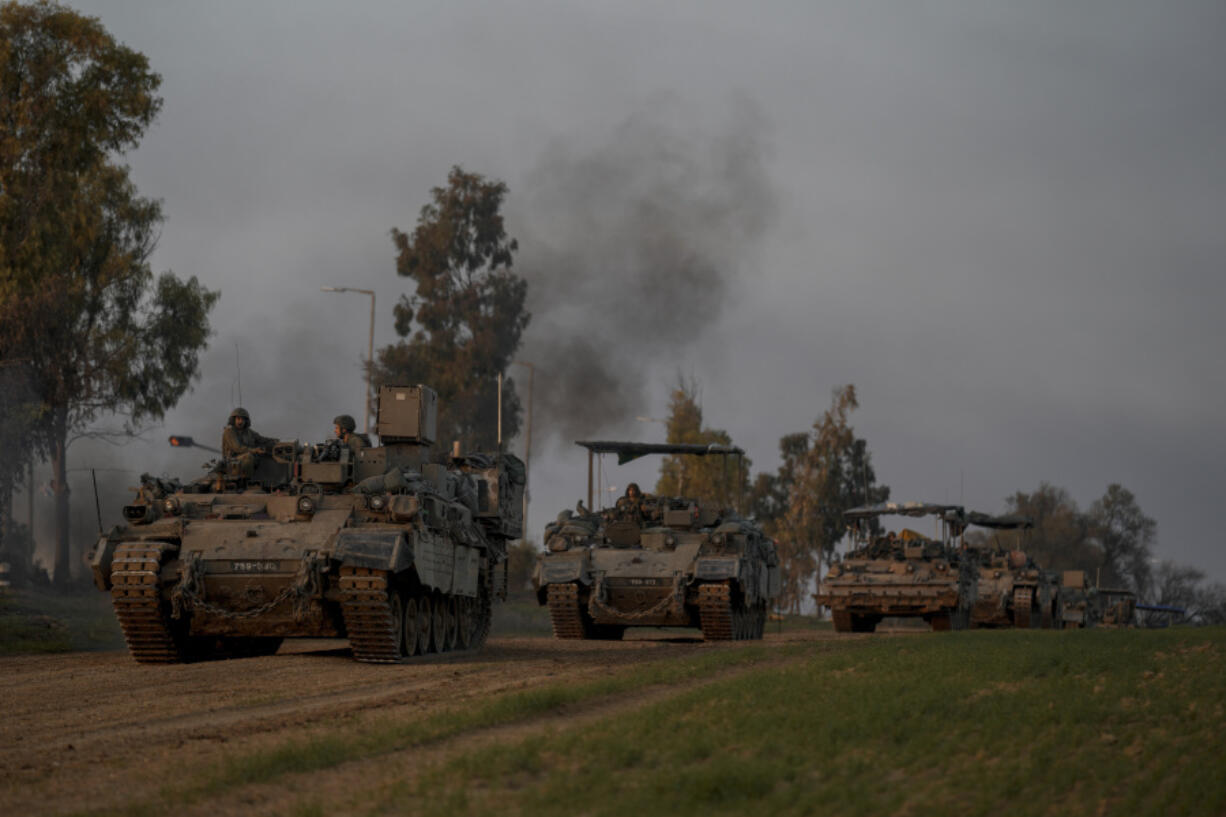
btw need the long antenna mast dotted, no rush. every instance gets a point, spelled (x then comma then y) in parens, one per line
(500, 412)
(238, 374)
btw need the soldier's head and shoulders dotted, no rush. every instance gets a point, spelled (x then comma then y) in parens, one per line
(345, 429)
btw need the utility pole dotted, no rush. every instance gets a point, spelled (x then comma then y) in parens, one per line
(370, 349)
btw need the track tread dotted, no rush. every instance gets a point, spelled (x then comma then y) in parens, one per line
(715, 612)
(135, 595)
(565, 613)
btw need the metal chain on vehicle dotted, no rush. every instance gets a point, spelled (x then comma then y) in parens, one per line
(596, 604)
(186, 597)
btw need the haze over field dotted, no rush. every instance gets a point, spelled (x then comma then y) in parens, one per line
(1002, 222)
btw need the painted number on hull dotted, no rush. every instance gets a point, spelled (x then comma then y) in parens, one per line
(254, 567)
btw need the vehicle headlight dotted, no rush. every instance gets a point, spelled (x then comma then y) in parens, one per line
(170, 505)
(306, 504)
(717, 539)
(377, 502)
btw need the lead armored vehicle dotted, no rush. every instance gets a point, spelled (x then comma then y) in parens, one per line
(903, 575)
(657, 562)
(1012, 590)
(382, 547)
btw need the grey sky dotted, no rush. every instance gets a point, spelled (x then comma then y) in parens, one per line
(1002, 221)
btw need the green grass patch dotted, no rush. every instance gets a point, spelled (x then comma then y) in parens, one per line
(43, 621)
(1095, 722)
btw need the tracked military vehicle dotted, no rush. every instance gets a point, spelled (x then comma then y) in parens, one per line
(379, 546)
(1081, 605)
(657, 562)
(903, 575)
(1012, 590)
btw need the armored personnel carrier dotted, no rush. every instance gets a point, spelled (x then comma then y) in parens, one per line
(901, 575)
(656, 562)
(1081, 605)
(380, 546)
(1012, 590)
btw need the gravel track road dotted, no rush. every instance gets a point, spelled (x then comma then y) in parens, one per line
(88, 731)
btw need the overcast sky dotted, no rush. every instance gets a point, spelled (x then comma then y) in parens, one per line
(1002, 221)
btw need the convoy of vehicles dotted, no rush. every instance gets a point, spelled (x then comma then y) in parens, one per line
(398, 551)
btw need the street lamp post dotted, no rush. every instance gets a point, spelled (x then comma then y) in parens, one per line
(370, 348)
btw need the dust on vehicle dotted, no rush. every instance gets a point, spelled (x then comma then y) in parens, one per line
(901, 575)
(379, 545)
(1012, 590)
(657, 562)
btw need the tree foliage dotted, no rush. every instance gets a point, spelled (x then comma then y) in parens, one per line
(462, 325)
(1124, 536)
(823, 473)
(81, 312)
(836, 475)
(770, 499)
(715, 478)
(1112, 541)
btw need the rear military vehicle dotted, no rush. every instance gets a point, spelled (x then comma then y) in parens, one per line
(377, 545)
(905, 575)
(657, 562)
(1012, 591)
(1081, 605)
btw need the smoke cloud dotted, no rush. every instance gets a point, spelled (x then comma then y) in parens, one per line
(631, 249)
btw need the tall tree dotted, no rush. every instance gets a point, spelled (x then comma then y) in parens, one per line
(78, 300)
(716, 478)
(836, 475)
(462, 325)
(18, 411)
(1060, 537)
(1125, 538)
(769, 503)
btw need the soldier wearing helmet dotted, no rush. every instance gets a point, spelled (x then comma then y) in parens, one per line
(345, 427)
(633, 505)
(241, 443)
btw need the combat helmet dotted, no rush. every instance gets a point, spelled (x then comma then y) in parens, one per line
(347, 423)
(239, 412)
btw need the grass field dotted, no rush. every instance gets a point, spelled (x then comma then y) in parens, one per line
(42, 620)
(985, 722)
(1097, 722)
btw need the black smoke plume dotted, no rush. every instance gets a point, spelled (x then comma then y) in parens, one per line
(631, 250)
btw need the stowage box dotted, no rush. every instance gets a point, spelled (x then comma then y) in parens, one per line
(407, 414)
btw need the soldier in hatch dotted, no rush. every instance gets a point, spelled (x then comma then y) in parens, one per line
(637, 506)
(243, 445)
(345, 427)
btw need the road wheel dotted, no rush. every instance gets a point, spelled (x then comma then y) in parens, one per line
(452, 619)
(425, 628)
(438, 621)
(412, 623)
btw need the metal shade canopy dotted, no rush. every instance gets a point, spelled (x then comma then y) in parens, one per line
(903, 509)
(627, 452)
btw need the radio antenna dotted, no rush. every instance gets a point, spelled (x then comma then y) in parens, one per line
(238, 374)
(500, 412)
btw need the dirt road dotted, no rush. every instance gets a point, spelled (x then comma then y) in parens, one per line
(88, 731)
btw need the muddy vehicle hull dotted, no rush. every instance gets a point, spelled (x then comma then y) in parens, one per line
(1005, 599)
(599, 578)
(865, 593)
(400, 560)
